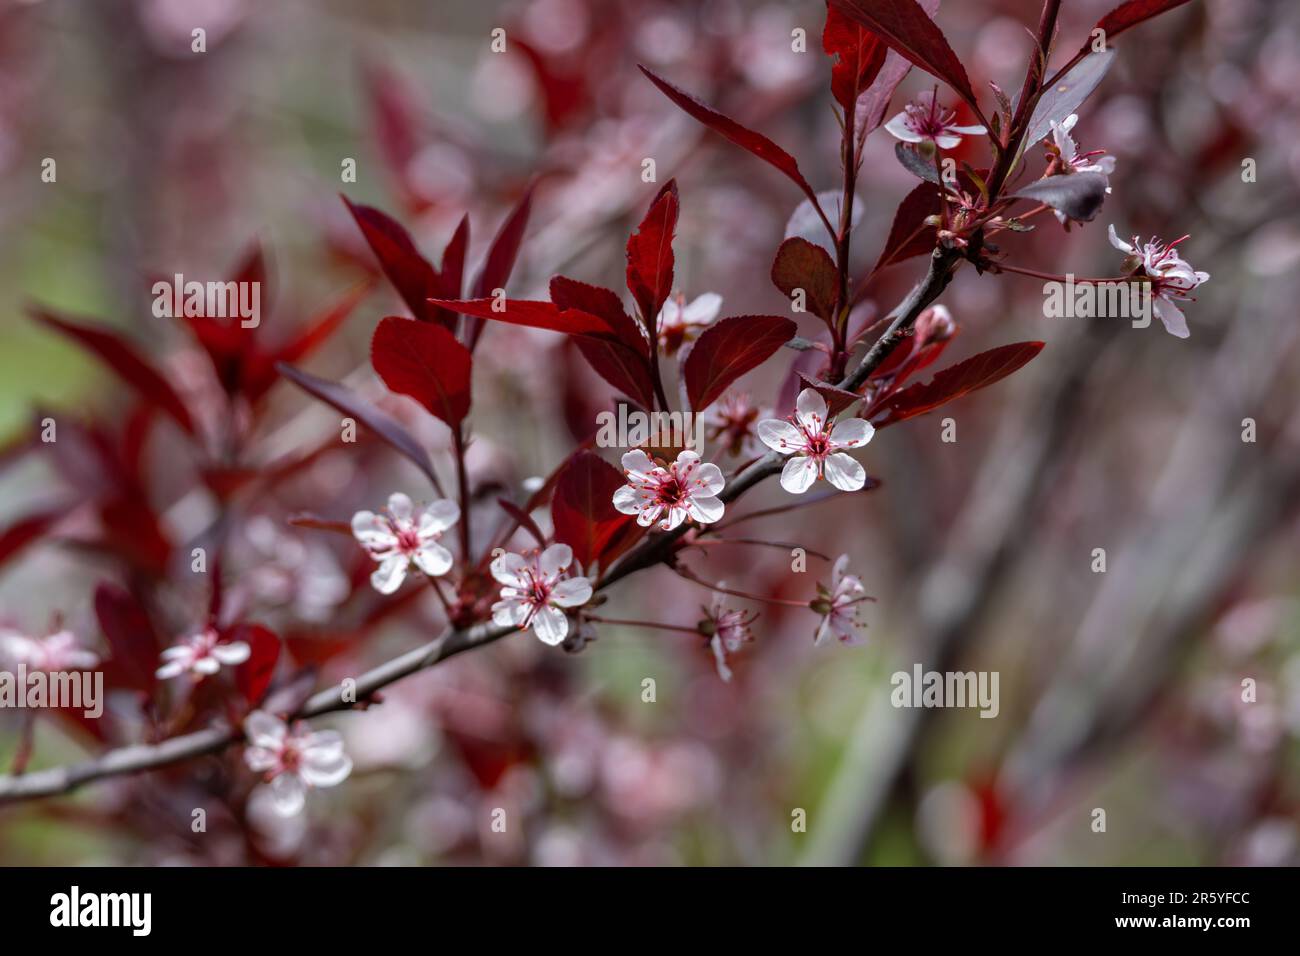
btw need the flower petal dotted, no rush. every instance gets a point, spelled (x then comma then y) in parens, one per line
(433, 559)
(290, 794)
(438, 517)
(845, 472)
(780, 436)
(571, 592)
(509, 569)
(705, 509)
(554, 560)
(236, 652)
(400, 507)
(798, 474)
(810, 410)
(703, 309)
(638, 465)
(550, 625)
(1171, 317)
(852, 433)
(898, 128)
(390, 574)
(708, 479)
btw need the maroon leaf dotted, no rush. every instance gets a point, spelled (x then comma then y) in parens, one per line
(500, 259)
(133, 644)
(622, 368)
(253, 676)
(746, 139)
(800, 264)
(395, 121)
(859, 56)
(425, 362)
(727, 350)
(909, 235)
(354, 406)
(260, 372)
(583, 512)
(605, 305)
(1130, 14)
(505, 248)
(26, 530)
(650, 256)
(123, 359)
(537, 315)
(415, 280)
(907, 28)
(451, 279)
(953, 382)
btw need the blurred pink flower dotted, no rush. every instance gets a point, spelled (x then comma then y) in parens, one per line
(202, 655)
(1171, 277)
(293, 759)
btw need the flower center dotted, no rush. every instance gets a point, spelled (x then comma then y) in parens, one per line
(408, 541)
(671, 492)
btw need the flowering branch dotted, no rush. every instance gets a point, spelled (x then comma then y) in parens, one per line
(141, 757)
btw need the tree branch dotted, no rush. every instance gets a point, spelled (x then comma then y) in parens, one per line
(142, 757)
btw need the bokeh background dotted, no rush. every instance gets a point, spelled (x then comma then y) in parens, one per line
(1119, 690)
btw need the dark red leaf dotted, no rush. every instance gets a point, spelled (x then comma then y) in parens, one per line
(1130, 14)
(415, 280)
(605, 305)
(953, 382)
(537, 315)
(746, 139)
(253, 676)
(26, 530)
(425, 362)
(622, 368)
(909, 235)
(650, 256)
(260, 373)
(583, 512)
(132, 641)
(859, 56)
(727, 350)
(907, 28)
(505, 248)
(800, 264)
(354, 406)
(500, 259)
(123, 359)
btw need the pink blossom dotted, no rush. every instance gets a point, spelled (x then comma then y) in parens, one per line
(732, 423)
(55, 652)
(680, 321)
(818, 449)
(1172, 278)
(536, 591)
(728, 629)
(925, 120)
(293, 760)
(404, 538)
(201, 655)
(685, 489)
(839, 605)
